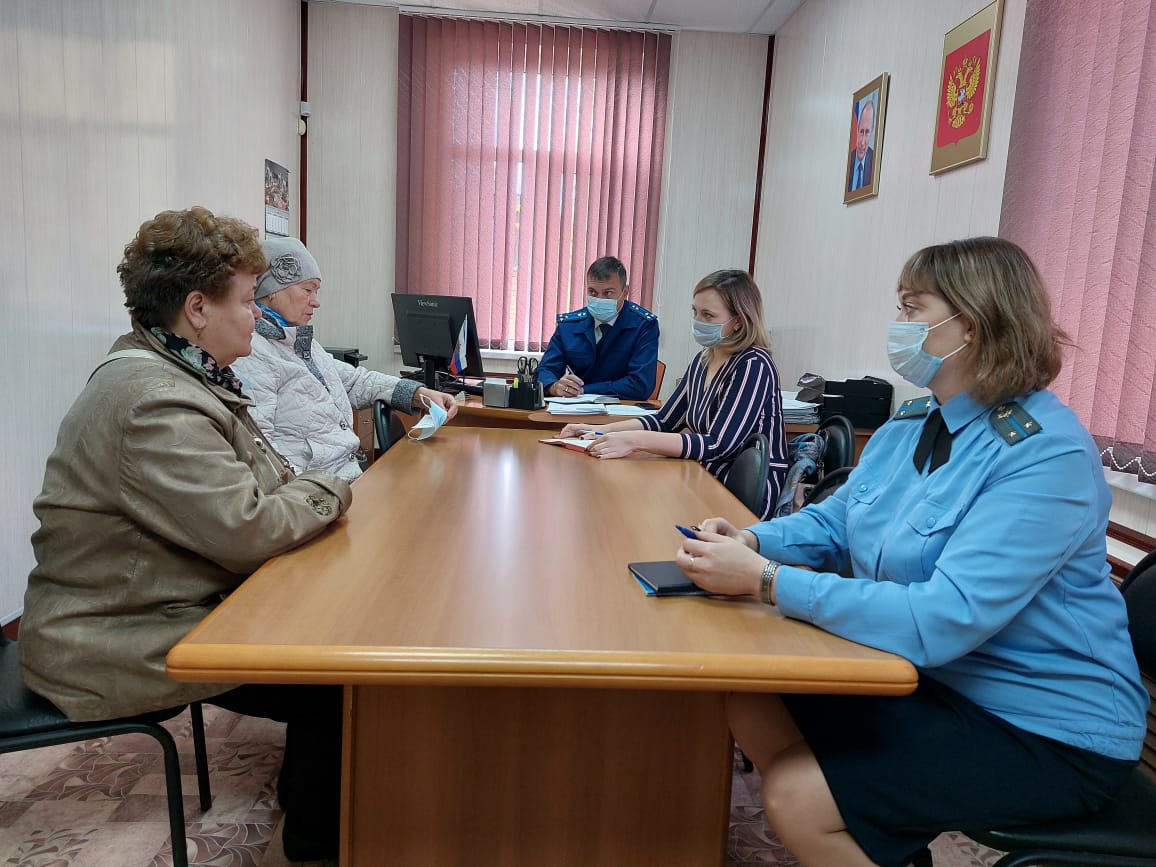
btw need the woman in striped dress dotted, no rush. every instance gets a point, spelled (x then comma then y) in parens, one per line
(729, 391)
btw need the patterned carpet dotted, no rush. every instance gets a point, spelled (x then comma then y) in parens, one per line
(102, 804)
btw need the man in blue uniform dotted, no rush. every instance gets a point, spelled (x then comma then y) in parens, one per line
(610, 346)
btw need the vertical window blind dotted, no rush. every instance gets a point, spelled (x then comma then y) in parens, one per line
(1080, 197)
(526, 151)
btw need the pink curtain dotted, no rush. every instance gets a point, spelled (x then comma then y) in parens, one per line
(1080, 195)
(525, 152)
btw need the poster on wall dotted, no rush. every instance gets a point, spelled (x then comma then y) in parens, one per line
(276, 199)
(865, 151)
(966, 86)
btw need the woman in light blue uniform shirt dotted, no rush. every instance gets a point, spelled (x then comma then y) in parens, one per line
(974, 531)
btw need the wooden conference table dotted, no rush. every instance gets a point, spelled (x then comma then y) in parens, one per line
(514, 698)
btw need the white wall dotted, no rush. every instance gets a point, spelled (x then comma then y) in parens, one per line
(110, 112)
(352, 174)
(828, 270)
(714, 120)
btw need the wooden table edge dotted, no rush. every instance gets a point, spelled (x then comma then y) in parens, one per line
(681, 671)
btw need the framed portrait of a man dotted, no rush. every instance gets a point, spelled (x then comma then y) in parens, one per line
(865, 147)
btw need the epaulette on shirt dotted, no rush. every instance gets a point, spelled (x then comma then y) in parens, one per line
(1013, 423)
(574, 315)
(917, 407)
(640, 310)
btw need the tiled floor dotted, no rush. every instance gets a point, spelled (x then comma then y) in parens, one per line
(102, 804)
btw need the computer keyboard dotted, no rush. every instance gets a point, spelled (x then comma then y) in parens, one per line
(449, 386)
(457, 386)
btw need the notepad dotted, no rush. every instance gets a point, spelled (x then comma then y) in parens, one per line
(577, 443)
(664, 578)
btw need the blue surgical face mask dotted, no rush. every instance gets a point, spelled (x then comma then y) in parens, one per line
(602, 309)
(707, 334)
(427, 425)
(905, 351)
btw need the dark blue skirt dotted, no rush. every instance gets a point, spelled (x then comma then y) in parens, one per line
(905, 769)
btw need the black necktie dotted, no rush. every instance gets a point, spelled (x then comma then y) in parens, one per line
(935, 440)
(859, 176)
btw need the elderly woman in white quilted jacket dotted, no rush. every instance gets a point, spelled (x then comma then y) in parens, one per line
(304, 398)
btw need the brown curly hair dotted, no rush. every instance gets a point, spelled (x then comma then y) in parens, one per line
(178, 252)
(997, 289)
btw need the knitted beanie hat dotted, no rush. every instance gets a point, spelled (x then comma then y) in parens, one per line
(289, 263)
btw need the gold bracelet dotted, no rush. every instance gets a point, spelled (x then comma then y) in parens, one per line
(767, 582)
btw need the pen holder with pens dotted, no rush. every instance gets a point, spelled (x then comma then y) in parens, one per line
(526, 390)
(526, 395)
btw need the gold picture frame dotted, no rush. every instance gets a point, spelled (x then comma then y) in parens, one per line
(865, 148)
(966, 86)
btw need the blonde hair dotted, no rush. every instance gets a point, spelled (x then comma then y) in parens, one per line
(999, 292)
(743, 299)
(177, 252)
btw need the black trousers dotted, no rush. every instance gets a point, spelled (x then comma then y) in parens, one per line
(309, 785)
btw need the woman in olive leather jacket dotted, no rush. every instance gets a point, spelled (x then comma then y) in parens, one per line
(161, 497)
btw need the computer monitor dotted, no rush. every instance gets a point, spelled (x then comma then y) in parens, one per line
(429, 329)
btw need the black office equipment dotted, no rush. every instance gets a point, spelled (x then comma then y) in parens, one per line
(430, 329)
(350, 355)
(866, 402)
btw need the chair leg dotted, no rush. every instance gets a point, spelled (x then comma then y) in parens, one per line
(176, 796)
(197, 717)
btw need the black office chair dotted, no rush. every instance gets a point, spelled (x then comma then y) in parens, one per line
(387, 424)
(28, 721)
(839, 434)
(1123, 834)
(827, 485)
(747, 478)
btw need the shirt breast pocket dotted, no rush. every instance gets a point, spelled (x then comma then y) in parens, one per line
(860, 499)
(924, 533)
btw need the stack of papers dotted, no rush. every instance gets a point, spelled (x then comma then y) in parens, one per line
(619, 409)
(799, 412)
(585, 398)
(556, 407)
(628, 409)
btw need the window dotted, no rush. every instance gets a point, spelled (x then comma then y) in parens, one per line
(525, 152)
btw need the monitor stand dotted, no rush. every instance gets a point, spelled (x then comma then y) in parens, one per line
(429, 369)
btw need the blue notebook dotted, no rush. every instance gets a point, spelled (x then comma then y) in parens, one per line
(664, 578)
